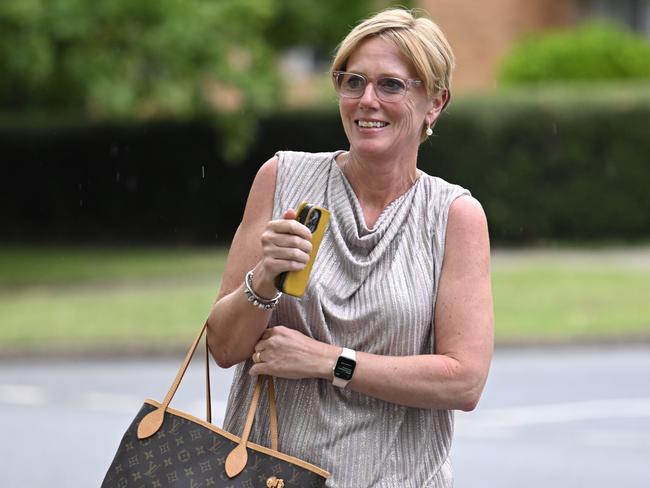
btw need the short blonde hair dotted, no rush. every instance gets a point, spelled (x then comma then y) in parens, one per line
(417, 37)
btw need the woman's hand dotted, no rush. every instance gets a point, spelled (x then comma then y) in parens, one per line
(287, 353)
(286, 245)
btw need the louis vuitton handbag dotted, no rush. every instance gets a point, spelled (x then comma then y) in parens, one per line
(164, 447)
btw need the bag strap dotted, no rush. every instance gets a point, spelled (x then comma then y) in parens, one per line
(208, 394)
(238, 457)
(152, 422)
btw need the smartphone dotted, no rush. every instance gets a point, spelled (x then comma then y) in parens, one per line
(315, 218)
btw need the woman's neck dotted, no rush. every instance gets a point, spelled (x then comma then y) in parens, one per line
(377, 183)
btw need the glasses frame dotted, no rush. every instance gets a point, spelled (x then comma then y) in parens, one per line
(408, 83)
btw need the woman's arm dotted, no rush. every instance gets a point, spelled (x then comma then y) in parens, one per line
(268, 247)
(453, 377)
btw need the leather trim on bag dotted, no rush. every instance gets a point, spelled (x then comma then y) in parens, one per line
(250, 445)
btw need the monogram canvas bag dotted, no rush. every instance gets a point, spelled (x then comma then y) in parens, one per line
(164, 447)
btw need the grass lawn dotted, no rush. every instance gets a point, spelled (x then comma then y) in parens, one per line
(79, 298)
(149, 297)
(572, 294)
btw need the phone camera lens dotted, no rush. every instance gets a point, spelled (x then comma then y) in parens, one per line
(313, 220)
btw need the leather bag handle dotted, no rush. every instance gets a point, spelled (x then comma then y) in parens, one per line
(152, 422)
(238, 457)
(208, 394)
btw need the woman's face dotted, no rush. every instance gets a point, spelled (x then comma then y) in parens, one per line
(386, 129)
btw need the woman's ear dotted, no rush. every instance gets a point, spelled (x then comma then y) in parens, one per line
(439, 103)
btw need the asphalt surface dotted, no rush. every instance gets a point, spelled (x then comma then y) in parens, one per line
(564, 417)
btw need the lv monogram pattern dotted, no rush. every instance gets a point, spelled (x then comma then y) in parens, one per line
(184, 454)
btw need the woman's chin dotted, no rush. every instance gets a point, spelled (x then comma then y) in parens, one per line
(370, 148)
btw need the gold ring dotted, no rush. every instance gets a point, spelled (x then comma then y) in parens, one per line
(257, 357)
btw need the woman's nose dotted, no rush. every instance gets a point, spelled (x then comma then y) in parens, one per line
(369, 97)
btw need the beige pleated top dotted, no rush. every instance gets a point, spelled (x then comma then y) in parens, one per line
(371, 290)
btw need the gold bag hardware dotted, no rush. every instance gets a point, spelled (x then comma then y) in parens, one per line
(274, 482)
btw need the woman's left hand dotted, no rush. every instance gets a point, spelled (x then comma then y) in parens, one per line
(287, 353)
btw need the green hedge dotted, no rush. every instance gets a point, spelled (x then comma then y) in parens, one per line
(553, 165)
(557, 167)
(589, 52)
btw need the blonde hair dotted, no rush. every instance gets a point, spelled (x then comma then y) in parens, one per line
(417, 37)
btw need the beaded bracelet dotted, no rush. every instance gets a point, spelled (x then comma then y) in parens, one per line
(255, 299)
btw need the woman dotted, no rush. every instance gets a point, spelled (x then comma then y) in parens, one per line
(400, 286)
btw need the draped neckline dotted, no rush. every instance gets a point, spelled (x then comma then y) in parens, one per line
(362, 227)
(361, 246)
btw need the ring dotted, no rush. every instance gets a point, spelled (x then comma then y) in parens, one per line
(257, 358)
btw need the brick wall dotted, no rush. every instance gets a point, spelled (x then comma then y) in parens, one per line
(481, 32)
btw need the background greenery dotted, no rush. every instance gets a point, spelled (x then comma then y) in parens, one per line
(158, 57)
(547, 164)
(590, 52)
(151, 59)
(145, 122)
(66, 299)
(139, 59)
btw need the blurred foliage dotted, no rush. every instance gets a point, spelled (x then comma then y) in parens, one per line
(135, 59)
(319, 24)
(590, 52)
(552, 165)
(149, 59)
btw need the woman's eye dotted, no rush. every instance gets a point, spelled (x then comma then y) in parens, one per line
(392, 85)
(354, 82)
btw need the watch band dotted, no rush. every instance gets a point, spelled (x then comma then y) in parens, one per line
(350, 355)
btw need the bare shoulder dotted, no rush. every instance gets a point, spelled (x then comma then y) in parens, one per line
(268, 171)
(260, 198)
(466, 214)
(467, 240)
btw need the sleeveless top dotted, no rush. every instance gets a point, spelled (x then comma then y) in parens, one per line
(371, 290)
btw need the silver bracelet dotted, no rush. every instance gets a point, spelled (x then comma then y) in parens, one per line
(254, 298)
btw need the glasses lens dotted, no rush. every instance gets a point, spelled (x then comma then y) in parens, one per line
(350, 85)
(390, 89)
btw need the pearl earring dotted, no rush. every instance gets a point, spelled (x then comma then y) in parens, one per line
(429, 131)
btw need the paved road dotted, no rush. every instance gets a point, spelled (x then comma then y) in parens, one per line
(562, 418)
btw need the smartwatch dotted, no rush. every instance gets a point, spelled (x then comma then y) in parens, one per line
(344, 368)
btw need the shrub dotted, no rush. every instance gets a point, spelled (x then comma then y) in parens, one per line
(590, 52)
(546, 166)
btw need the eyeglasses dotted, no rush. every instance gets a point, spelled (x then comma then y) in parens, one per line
(387, 89)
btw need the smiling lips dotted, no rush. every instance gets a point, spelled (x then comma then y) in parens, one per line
(371, 124)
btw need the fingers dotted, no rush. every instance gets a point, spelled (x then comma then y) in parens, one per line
(267, 352)
(290, 214)
(280, 261)
(260, 361)
(289, 226)
(264, 342)
(282, 242)
(286, 246)
(286, 353)
(258, 369)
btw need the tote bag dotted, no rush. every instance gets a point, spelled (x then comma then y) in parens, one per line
(164, 447)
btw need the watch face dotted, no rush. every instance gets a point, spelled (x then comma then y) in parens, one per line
(344, 368)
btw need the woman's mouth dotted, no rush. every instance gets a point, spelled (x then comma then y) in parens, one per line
(371, 124)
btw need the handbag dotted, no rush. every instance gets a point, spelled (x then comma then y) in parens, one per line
(164, 447)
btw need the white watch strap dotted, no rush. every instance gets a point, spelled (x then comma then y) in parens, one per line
(349, 354)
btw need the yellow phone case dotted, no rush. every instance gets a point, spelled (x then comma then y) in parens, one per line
(316, 219)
